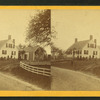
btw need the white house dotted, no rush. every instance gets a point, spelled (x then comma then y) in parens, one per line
(84, 49)
(8, 48)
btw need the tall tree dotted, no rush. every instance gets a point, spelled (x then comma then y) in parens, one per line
(56, 52)
(21, 46)
(39, 28)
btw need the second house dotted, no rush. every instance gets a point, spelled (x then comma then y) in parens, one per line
(84, 49)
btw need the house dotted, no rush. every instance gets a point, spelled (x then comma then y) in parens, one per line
(8, 48)
(84, 49)
(35, 53)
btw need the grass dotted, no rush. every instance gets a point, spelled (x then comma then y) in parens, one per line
(87, 66)
(12, 67)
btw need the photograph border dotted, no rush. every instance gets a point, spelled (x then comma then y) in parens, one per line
(50, 93)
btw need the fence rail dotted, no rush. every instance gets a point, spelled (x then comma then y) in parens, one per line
(38, 63)
(36, 70)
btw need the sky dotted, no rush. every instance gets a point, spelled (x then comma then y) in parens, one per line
(14, 22)
(71, 24)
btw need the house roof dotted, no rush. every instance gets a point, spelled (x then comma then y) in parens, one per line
(2, 42)
(31, 49)
(78, 45)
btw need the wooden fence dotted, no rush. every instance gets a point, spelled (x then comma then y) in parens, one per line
(37, 63)
(36, 70)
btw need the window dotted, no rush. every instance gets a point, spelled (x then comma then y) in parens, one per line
(14, 52)
(95, 52)
(9, 45)
(79, 52)
(95, 45)
(85, 51)
(13, 46)
(4, 51)
(91, 45)
(68, 52)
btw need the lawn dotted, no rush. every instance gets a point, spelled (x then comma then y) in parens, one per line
(12, 67)
(87, 66)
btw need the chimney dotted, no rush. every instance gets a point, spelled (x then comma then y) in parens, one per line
(91, 37)
(9, 37)
(13, 40)
(76, 40)
(95, 41)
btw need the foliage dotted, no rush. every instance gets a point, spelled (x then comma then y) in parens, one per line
(39, 28)
(21, 46)
(56, 52)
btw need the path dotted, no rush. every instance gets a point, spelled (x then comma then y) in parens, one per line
(8, 82)
(68, 80)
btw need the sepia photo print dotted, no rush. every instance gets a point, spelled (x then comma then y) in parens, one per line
(76, 50)
(49, 50)
(25, 51)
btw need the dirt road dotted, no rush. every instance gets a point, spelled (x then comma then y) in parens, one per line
(8, 82)
(68, 80)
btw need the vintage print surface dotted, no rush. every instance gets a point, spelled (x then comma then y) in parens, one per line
(76, 50)
(50, 50)
(25, 50)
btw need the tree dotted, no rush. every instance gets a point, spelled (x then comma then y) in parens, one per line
(56, 52)
(61, 54)
(21, 51)
(21, 46)
(39, 28)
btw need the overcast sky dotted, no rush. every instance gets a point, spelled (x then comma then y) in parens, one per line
(14, 22)
(71, 24)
